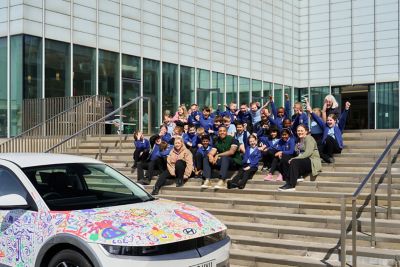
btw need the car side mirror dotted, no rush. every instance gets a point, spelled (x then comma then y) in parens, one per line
(13, 201)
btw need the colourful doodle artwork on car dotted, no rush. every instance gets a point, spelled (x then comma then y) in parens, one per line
(144, 224)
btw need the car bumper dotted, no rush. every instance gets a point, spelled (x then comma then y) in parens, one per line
(214, 255)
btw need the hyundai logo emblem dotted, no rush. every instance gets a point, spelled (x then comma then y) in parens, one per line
(189, 231)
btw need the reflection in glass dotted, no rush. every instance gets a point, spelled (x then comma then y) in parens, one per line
(151, 88)
(57, 69)
(187, 85)
(169, 87)
(387, 97)
(218, 82)
(267, 91)
(84, 75)
(130, 90)
(256, 89)
(371, 106)
(244, 94)
(109, 76)
(16, 82)
(278, 95)
(3, 87)
(231, 88)
(32, 67)
(317, 96)
(203, 87)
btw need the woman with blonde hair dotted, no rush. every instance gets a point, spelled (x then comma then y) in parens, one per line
(181, 114)
(330, 106)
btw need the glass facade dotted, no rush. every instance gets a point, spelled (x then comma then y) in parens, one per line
(244, 87)
(84, 71)
(256, 90)
(218, 84)
(267, 91)
(317, 96)
(16, 83)
(187, 85)
(109, 76)
(231, 88)
(32, 67)
(203, 87)
(387, 102)
(57, 69)
(170, 87)
(278, 95)
(130, 71)
(3, 87)
(151, 88)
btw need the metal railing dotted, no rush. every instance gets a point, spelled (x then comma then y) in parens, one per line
(354, 197)
(75, 139)
(37, 110)
(44, 135)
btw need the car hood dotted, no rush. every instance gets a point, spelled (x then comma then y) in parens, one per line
(143, 224)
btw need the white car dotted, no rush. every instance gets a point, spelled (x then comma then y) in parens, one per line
(63, 211)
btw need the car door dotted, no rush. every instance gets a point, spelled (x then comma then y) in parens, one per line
(17, 223)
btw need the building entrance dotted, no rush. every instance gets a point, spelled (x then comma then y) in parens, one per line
(358, 96)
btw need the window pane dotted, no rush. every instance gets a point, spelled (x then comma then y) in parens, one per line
(278, 98)
(244, 94)
(218, 83)
(187, 85)
(317, 96)
(256, 90)
(3, 87)
(170, 87)
(267, 91)
(16, 82)
(151, 88)
(387, 105)
(57, 72)
(371, 107)
(109, 76)
(231, 88)
(84, 71)
(32, 67)
(130, 90)
(203, 86)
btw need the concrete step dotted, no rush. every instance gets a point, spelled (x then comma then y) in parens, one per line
(313, 250)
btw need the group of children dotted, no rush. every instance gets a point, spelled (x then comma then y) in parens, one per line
(262, 134)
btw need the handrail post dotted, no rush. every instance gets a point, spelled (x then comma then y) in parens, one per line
(354, 231)
(100, 152)
(389, 185)
(343, 232)
(373, 211)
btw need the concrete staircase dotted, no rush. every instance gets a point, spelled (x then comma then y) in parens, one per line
(302, 228)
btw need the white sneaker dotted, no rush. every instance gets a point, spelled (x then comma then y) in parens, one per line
(300, 179)
(220, 185)
(206, 184)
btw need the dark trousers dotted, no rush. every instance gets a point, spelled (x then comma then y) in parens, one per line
(327, 149)
(294, 170)
(140, 154)
(224, 164)
(242, 177)
(198, 160)
(269, 159)
(180, 167)
(152, 167)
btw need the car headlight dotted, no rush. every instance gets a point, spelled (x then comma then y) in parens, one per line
(174, 247)
(130, 251)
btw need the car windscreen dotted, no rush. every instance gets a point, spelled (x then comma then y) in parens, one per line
(84, 186)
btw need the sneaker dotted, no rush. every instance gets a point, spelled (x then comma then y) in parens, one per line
(279, 178)
(231, 185)
(286, 187)
(220, 185)
(206, 184)
(269, 177)
(264, 169)
(331, 160)
(300, 179)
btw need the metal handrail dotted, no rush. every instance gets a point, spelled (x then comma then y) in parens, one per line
(103, 119)
(369, 177)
